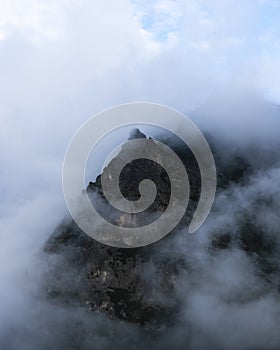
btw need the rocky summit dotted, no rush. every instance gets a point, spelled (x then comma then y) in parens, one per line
(138, 285)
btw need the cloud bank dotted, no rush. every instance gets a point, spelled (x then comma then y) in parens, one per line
(61, 62)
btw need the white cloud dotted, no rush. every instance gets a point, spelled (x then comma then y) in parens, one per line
(63, 61)
(35, 20)
(269, 76)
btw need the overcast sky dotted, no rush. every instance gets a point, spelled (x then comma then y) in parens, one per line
(63, 61)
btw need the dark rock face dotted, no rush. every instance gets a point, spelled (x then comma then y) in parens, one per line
(136, 285)
(110, 280)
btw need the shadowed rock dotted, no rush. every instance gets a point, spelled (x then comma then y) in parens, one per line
(136, 285)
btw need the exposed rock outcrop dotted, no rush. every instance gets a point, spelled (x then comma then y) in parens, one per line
(136, 285)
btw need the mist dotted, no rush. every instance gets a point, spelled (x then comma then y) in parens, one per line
(60, 63)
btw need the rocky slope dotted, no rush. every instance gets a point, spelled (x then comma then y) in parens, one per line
(139, 285)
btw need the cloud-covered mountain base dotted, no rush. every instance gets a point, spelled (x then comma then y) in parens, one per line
(217, 289)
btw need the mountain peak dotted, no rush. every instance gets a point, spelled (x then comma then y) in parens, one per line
(136, 134)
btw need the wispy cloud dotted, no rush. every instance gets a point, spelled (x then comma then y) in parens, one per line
(63, 61)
